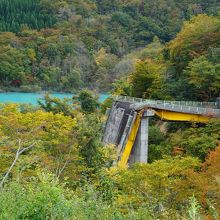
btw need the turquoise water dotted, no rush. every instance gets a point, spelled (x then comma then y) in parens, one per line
(31, 98)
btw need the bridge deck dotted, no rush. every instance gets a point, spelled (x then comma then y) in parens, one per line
(197, 108)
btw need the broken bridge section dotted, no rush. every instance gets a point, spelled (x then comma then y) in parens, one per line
(128, 123)
(127, 129)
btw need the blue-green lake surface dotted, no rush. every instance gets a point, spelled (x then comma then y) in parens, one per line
(31, 98)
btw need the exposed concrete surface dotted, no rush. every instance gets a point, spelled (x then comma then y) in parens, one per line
(140, 149)
(113, 125)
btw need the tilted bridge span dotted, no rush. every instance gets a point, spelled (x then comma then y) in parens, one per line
(128, 122)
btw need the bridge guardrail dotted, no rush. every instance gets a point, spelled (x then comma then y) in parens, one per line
(206, 108)
(186, 103)
(185, 109)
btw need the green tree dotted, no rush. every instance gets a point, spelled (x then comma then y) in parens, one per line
(56, 105)
(88, 102)
(204, 77)
(148, 80)
(196, 36)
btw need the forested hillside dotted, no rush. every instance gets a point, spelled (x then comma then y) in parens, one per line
(53, 163)
(186, 68)
(67, 45)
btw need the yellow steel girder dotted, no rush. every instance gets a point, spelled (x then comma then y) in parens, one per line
(130, 142)
(180, 116)
(164, 115)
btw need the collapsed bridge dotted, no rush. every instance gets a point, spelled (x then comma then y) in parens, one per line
(128, 123)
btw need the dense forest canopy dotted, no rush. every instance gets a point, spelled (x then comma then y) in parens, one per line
(67, 45)
(16, 13)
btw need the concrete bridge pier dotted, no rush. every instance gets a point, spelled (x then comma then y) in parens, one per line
(140, 149)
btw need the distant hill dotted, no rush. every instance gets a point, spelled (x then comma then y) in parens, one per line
(66, 45)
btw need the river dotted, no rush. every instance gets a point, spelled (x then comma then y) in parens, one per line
(31, 98)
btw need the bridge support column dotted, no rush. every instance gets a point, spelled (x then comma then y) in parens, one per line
(140, 149)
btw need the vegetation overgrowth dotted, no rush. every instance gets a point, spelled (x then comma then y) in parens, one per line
(65, 171)
(53, 164)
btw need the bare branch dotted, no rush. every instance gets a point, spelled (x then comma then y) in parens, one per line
(26, 148)
(62, 169)
(18, 153)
